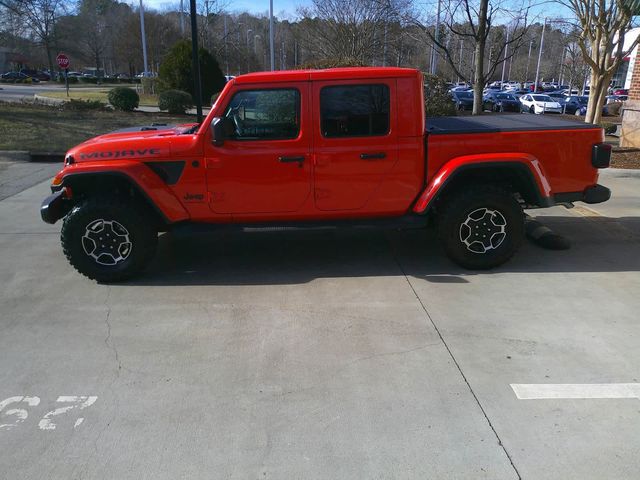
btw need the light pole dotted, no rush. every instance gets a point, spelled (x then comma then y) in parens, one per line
(182, 17)
(144, 41)
(526, 74)
(460, 58)
(226, 52)
(194, 59)
(249, 32)
(271, 48)
(504, 61)
(434, 52)
(535, 85)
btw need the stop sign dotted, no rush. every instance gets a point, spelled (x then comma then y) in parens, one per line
(63, 60)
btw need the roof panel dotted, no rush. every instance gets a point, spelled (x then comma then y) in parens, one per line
(325, 74)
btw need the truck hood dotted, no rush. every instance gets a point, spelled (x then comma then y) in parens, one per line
(153, 141)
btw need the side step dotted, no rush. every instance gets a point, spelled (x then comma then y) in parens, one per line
(403, 222)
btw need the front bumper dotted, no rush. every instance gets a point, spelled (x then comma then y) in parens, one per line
(54, 207)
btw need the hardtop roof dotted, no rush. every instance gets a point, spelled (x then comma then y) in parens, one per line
(346, 73)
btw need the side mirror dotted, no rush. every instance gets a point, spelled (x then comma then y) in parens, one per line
(217, 131)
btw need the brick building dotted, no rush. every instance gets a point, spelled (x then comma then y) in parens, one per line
(630, 136)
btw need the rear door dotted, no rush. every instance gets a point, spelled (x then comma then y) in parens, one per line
(263, 165)
(355, 142)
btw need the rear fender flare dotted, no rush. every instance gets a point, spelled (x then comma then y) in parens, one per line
(519, 162)
(146, 182)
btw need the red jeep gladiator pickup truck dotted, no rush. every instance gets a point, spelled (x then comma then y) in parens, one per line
(322, 147)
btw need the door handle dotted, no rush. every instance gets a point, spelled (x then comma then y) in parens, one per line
(291, 159)
(372, 156)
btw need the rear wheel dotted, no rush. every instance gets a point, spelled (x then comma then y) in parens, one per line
(481, 227)
(107, 239)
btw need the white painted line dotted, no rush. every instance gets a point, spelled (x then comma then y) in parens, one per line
(548, 391)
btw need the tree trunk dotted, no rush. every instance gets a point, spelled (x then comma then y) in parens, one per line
(597, 97)
(481, 40)
(49, 58)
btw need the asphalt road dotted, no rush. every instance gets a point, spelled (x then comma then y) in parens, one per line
(14, 93)
(328, 355)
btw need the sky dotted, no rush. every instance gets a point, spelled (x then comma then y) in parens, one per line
(288, 7)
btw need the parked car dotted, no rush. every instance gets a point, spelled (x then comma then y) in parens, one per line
(536, 103)
(512, 86)
(19, 77)
(575, 103)
(463, 99)
(518, 93)
(620, 91)
(557, 96)
(491, 88)
(617, 98)
(571, 92)
(147, 74)
(500, 102)
(42, 76)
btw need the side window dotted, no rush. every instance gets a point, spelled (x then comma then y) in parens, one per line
(354, 110)
(264, 114)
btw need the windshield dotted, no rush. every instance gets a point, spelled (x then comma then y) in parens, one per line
(542, 98)
(504, 96)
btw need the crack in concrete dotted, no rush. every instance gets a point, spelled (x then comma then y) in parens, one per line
(111, 346)
(455, 362)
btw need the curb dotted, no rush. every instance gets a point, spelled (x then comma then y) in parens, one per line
(15, 155)
(48, 100)
(31, 157)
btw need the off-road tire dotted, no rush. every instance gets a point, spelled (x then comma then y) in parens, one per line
(454, 219)
(141, 233)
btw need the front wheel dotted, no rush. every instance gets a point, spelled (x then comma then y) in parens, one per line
(481, 227)
(107, 239)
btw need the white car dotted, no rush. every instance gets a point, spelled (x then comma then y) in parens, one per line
(536, 103)
(512, 86)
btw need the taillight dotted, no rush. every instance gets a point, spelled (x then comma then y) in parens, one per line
(601, 155)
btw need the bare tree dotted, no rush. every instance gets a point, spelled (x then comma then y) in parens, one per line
(576, 70)
(39, 18)
(474, 22)
(350, 30)
(602, 27)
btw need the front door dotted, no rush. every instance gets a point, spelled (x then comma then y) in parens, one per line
(355, 141)
(263, 165)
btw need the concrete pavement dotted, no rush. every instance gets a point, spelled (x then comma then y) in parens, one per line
(321, 355)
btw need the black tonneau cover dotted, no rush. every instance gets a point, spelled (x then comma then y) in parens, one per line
(501, 123)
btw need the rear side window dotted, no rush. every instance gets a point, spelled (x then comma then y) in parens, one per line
(264, 114)
(354, 110)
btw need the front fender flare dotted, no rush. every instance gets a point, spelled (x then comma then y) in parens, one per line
(141, 177)
(457, 165)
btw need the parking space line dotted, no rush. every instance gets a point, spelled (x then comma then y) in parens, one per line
(610, 225)
(550, 391)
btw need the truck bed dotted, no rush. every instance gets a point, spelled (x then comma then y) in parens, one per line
(501, 123)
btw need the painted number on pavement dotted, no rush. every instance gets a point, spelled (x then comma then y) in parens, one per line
(13, 410)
